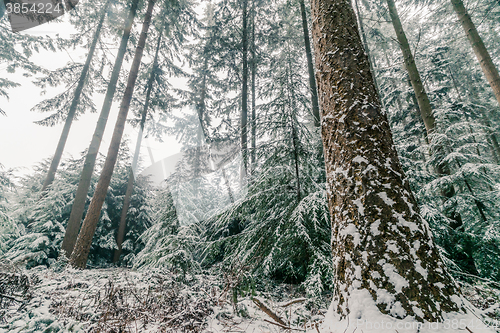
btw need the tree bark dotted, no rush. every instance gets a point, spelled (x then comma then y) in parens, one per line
(88, 167)
(422, 99)
(130, 184)
(244, 93)
(383, 251)
(56, 159)
(487, 65)
(310, 66)
(82, 247)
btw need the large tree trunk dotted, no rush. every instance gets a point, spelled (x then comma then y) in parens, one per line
(386, 266)
(422, 99)
(82, 247)
(130, 184)
(487, 65)
(74, 103)
(244, 94)
(310, 66)
(88, 167)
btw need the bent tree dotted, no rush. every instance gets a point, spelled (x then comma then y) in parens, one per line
(386, 265)
(78, 207)
(56, 159)
(81, 250)
(135, 161)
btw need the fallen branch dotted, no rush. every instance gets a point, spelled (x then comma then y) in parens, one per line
(293, 301)
(268, 311)
(11, 298)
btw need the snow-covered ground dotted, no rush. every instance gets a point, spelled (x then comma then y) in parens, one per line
(122, 300)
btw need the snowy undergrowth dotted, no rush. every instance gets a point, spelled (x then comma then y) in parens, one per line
(122, 300)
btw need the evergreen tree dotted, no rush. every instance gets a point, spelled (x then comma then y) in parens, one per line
(265, 228)
(74, 101)
(88, 166)
(383, 251)
(16, 51)
(80, 253)
(40, 224)
(482, 54)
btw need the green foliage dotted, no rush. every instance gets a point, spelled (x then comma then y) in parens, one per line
(167, 243)
(42, 220)
(454, 172)
(8, 228)
(280, 228)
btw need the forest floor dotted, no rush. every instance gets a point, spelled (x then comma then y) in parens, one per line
(124, 300)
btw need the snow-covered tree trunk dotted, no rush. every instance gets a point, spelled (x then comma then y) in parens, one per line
(388, 271)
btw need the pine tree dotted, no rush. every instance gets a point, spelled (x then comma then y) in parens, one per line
(40, 224)
(386, 266)
(82, 247)
(89, 164)
(489, 69)
(8, 227)
(284, 209)
(75, 100)
(244, 91)
(310, 65)
(16, 51)
(130, 182)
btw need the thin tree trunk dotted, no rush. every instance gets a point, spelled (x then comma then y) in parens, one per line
(88, 167)
(130, 184)
(422, 99)
(310, 66)
(295, 145)
(381, 245)
(393, 80)
(82, 247)
(421, 96)
(495, 149)
(244, 94)
(74, 103)
(365, 45)
(293, 120)
(253, 121)
(487, 65)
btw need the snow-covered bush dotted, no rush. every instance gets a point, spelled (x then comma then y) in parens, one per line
(167, 243)
(42, 218)
(8, 228)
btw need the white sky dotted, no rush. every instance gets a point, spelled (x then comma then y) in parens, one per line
(24, 144)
